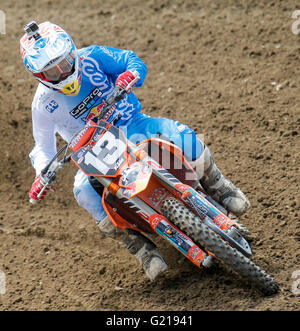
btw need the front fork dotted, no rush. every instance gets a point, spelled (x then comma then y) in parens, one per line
(160, 224)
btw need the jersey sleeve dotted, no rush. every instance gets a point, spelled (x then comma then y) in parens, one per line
(115, 61)
(44, 137)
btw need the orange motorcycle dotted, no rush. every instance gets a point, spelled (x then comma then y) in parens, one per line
(151, 187)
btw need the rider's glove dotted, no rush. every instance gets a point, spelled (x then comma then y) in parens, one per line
(36, 189)
(125, 79)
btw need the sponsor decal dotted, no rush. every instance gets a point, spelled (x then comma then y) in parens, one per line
(182, 187)
(155, 220)
(193, 252)
(177, 239)
(222, 221)
(169, 231)
(195, 203)
(201, 210)
(96, 111)
(103, 87)
(181, 240)
(87, 103)
(78, 137)
(135, 178)
(91, 69)
(125, 109)
(52, 106)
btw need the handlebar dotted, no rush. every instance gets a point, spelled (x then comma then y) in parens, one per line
(48, 174)
(118, 95)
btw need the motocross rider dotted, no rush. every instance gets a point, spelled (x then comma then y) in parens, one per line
(74, 83)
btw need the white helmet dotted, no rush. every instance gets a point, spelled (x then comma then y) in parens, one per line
(50, 54)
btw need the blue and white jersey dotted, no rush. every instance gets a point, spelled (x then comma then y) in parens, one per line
(53, 112)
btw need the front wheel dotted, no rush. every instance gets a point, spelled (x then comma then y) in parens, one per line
(191, 225)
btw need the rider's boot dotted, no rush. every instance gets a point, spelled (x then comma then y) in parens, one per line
(147, 254)
(217, 186)
(140, 246)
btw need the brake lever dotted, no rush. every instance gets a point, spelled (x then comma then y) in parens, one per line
(132, 83)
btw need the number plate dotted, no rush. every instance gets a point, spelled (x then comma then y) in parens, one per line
(105, 154)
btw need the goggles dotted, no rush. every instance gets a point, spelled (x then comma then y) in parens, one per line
(60, 71)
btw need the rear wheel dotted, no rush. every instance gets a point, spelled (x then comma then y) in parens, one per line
(192, 226)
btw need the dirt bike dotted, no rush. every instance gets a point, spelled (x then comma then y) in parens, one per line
(150, 187)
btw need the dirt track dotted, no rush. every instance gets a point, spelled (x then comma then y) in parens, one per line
(229, 70)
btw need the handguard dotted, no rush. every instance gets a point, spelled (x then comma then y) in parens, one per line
(84, 136)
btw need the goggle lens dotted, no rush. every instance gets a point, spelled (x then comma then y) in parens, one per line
(60, 71)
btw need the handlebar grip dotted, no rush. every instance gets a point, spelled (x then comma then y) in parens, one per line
(33, 201)
(132, 83)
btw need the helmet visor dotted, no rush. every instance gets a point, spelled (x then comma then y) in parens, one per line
(60, 71)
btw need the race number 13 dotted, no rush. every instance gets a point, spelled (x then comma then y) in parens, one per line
(106, 153)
